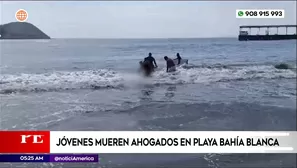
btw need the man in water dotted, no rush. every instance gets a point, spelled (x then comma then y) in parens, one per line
(178, 58)
(151, 60)
(170, 64)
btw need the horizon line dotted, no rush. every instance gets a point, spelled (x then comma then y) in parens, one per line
(136, 38)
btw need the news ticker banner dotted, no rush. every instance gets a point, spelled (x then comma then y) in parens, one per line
(260, 13)
(49, 158)
(147, 142)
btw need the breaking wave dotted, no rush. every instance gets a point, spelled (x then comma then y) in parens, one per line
(106, 79)
(59, 81)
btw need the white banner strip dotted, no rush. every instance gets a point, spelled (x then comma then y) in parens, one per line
(172, 142)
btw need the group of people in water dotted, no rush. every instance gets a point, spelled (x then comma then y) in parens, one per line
(149, 64)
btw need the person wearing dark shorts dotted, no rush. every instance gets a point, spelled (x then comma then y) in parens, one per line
(170, 64)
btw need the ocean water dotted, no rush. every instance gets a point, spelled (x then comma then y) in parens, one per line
(93, 84)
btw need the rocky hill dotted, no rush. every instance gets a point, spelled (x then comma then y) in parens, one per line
(21, 30)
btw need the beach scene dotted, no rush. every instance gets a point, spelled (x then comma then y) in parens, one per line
(74, 66)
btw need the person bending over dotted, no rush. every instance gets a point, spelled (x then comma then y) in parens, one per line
(170, 64)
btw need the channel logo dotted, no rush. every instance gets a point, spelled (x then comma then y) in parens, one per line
(21, 15)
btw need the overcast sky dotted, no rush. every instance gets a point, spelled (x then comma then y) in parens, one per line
(139, 19)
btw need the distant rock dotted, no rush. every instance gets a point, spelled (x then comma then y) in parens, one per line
(21, 30)
(282, 66)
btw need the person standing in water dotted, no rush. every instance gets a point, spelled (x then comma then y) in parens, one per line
(151, 60)
(170, 64)
(178, 58)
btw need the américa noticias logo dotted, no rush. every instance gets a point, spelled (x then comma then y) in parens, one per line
(21, 15)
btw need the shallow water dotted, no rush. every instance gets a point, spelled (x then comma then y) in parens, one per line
(91, 84)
